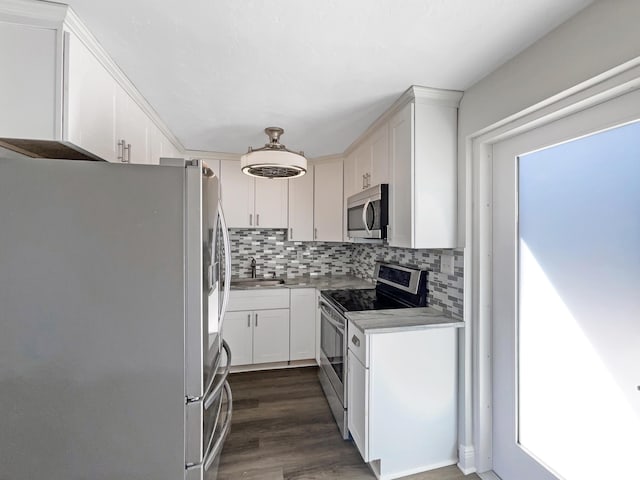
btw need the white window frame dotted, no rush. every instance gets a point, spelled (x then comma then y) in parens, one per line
(478, 224)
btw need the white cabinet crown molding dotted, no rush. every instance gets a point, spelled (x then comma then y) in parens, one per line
(415, 93)
(44, 14)
(75, 25)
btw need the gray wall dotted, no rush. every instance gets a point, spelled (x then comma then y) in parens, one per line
(602, 36)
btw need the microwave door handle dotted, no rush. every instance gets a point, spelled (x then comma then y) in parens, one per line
(364, 217)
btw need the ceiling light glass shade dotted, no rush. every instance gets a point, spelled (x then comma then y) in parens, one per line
(273, 160)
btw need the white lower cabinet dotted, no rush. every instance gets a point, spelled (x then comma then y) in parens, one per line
(302, 343)
(238, 332)
(358, 404)
(256, 326)
(402, 399)
(271, 336)
(260, 336)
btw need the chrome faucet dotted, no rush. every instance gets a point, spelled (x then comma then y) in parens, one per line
(253, 267)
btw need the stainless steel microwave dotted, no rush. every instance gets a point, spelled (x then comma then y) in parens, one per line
(368, 213)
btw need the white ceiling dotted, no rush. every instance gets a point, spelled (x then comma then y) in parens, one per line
(219, 71)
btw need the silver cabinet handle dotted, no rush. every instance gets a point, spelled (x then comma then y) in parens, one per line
(251, 219)
(315, 233)
(121, 148)
(248, 320)
(257, 219)
(363, 182)
(128, 151)
(355, 340)
(291, 234)
(256, 319)
(368, 180)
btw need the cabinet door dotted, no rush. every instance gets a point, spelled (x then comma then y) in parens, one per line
(363, 165)
(237, 195)
(271, 336)
(90, 102)
(379, 149)
(237, 330)
(302, 343)
(350, 180)
(401, 187)
(28, 90)
(301, 207)
(358, 404)
(328, 201)
(271, 202)
(132, 127)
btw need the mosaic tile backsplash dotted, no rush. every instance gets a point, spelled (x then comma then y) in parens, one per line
(445, 291)
(275, 254)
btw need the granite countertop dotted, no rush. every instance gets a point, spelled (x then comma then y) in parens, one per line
(320, 282)
(398, 320)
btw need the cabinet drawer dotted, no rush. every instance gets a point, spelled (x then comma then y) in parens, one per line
(358, 344)
(258, 299)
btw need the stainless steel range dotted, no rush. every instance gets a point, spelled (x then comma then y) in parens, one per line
(396, 287)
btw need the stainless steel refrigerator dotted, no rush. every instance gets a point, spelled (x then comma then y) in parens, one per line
(111, 301)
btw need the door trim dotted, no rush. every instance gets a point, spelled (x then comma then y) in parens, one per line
(477, 404)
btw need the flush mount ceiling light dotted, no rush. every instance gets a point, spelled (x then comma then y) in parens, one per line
(273, 160)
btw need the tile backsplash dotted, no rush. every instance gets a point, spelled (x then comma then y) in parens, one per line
(275, 254)
(445, 291)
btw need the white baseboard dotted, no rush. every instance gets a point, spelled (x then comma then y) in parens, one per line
(466, 459)
(490, 475)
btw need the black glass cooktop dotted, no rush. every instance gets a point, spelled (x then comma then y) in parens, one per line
(365, 299)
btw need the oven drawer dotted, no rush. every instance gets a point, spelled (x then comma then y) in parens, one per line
(358, 344)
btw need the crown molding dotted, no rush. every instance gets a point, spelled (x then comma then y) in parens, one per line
(416, 94)
(35, 13)
(74, 25)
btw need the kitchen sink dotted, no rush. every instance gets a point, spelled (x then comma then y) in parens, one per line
(256, 282)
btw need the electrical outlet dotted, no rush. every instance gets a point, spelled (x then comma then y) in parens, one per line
(299, 254)
(446, 264)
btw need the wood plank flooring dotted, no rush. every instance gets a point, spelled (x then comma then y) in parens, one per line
(282, 429)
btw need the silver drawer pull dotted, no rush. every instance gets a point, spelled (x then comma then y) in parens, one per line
(355, 340)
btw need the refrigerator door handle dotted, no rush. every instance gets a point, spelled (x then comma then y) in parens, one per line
(212, 394)
(216, 448)
(227, 267)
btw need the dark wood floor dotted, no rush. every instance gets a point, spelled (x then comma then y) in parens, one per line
(282, 429)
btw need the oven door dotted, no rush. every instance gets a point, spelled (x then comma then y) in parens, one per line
(333, 348)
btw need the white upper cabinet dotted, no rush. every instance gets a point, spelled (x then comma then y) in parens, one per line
(369, 162)
(328, 200)
(422, 190)
(363, 166)
(238, 193)
(29, 94)
(379, 151)
(90, 94)
(132, 130)
(271, 201)
(61, 94)
(252, 202)
(301, 207)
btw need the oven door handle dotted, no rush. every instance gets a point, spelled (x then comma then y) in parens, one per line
(327, 315)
